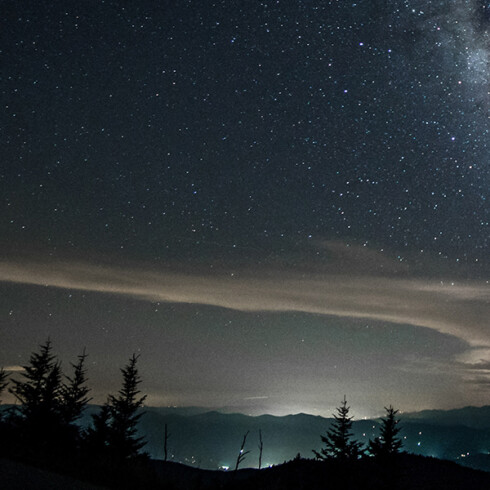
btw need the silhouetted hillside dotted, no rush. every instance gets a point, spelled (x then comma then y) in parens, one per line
(15, 475)
(409, 472)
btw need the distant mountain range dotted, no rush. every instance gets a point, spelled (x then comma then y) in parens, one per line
(211, 439)
(474, 417)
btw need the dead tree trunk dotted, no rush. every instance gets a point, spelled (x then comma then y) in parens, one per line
(242, 453)
(261, 447)
(165, 448)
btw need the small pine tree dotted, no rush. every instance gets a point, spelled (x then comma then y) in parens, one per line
(125, 413)
(338, 440)
(387, 444)
(98, 435)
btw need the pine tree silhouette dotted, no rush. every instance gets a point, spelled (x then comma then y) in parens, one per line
(124, 410)
(40, 392)
(338, 440)
(114, 429)
(113, 434)
(74, 393)
(37, 421)
(98, 435)
(387, 444)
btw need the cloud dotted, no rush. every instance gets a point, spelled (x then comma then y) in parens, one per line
(14, 369)
(480, 366)
(460, 309)
(482, 383)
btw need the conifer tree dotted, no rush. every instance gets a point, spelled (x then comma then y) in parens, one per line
(37, 422)
(40, 392)
(98, 435)
(387, 444)
(74, 393)
(338, 440)
(125, 413)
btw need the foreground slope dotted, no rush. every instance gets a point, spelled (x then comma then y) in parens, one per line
(15, 475)
(408, 472)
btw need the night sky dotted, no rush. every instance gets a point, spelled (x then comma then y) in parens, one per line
(274, 203)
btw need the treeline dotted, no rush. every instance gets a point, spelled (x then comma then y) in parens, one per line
(341, 445)
(42, 428)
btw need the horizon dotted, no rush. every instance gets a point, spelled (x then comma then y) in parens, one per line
(279, 413)
(223, 410)
(382, 413)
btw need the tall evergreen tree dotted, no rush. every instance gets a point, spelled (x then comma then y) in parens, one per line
(388, 443)
(39, 393)
(37, 422)
(125, 413)
(338, 440)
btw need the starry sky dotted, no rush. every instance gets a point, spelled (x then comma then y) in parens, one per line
(274, 203)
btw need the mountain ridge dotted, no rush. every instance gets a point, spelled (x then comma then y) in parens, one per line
(209, 438)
